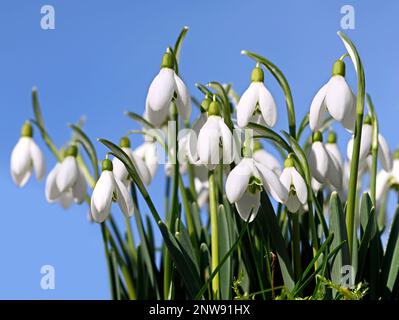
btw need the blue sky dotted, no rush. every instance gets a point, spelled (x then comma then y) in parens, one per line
(99, 61)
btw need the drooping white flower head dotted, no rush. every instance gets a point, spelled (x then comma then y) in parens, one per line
(106, 188)
(256, 100)
(246, 181)
(384, 154)
(295, 186)
(147, 152)
(25, 157)
(166, 86)
(324, 167)
(215, 141)
(120, 171)
(66, 181)
(337, 98)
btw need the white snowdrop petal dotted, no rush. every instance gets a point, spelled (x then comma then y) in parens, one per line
(300, 186)
(22, 178)
(268, 160)
(66, 199)
(272, 184)
(237, 181)
(334, 152)
(79, 190)
(21, 161)
(67, 174)
(365, 144)
(51, 190)
(349, 120)
(157, 118)
(38, 161)
(246, 105)
(395, 170)
(209, 141)
(267, 105)
(142, 169)
(339, 97)
(286, 178)
(124, 198)
(292, 203)
(161, 90)
(227, 143)
(101, 199)
(248, 205)
(384, 153)
(318, 109)
(318, 161)
(119, 169)
(382, 185)
(183, 102)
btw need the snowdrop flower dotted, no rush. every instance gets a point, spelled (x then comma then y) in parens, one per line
(66, 181)
(25, 157)
(256, 100)
(147, 152)
(336, 163)
(295, 186)
(246, 181)
(337, 98)
(323, 167)
(384, 153)
(215, 141)
(385, 179)
(106, 188)
(166, 86)
(265, 158)
(201, 184)
(120, 171)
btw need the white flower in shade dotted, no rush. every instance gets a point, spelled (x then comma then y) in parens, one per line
(384, 153)
(215, 141)
(265, 158)
(201, 183)
(26, 157)
(66, 180)
(166, 86)
(147, 152)
(336, 163)
(106, 188)
(246, 181)
(256, 100)
(337, 98)
(325, 168)
(385, 179)
(295, 186)
(120, 171)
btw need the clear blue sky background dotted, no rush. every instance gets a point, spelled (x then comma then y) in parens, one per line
(99, 62)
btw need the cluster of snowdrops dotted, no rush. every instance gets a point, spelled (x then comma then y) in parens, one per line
(222, 151)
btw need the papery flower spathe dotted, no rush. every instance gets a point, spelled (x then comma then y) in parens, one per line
(384, 154)
(120, 171)
(246, 181)
(337, 98)
(167, 86)
(215, 141)
(106, 188)
(256, 100)
(66, 180)
(26, 157)
(295, 186)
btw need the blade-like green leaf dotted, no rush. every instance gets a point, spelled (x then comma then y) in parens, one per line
(224, 245)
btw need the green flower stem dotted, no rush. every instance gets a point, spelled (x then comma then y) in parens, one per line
(296, 245)
(130, 240)
(374, 150)
(172, 217)
(108, 258)
(214, 233)
(350, 212)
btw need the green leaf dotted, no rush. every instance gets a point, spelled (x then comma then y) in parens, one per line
(136, 117)
(390, 266)
(88, 146)
(179, 42)
(225, 101)
(184, 240)
(338, 228)
(267, 218)
(226, 276)
(40, 124)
